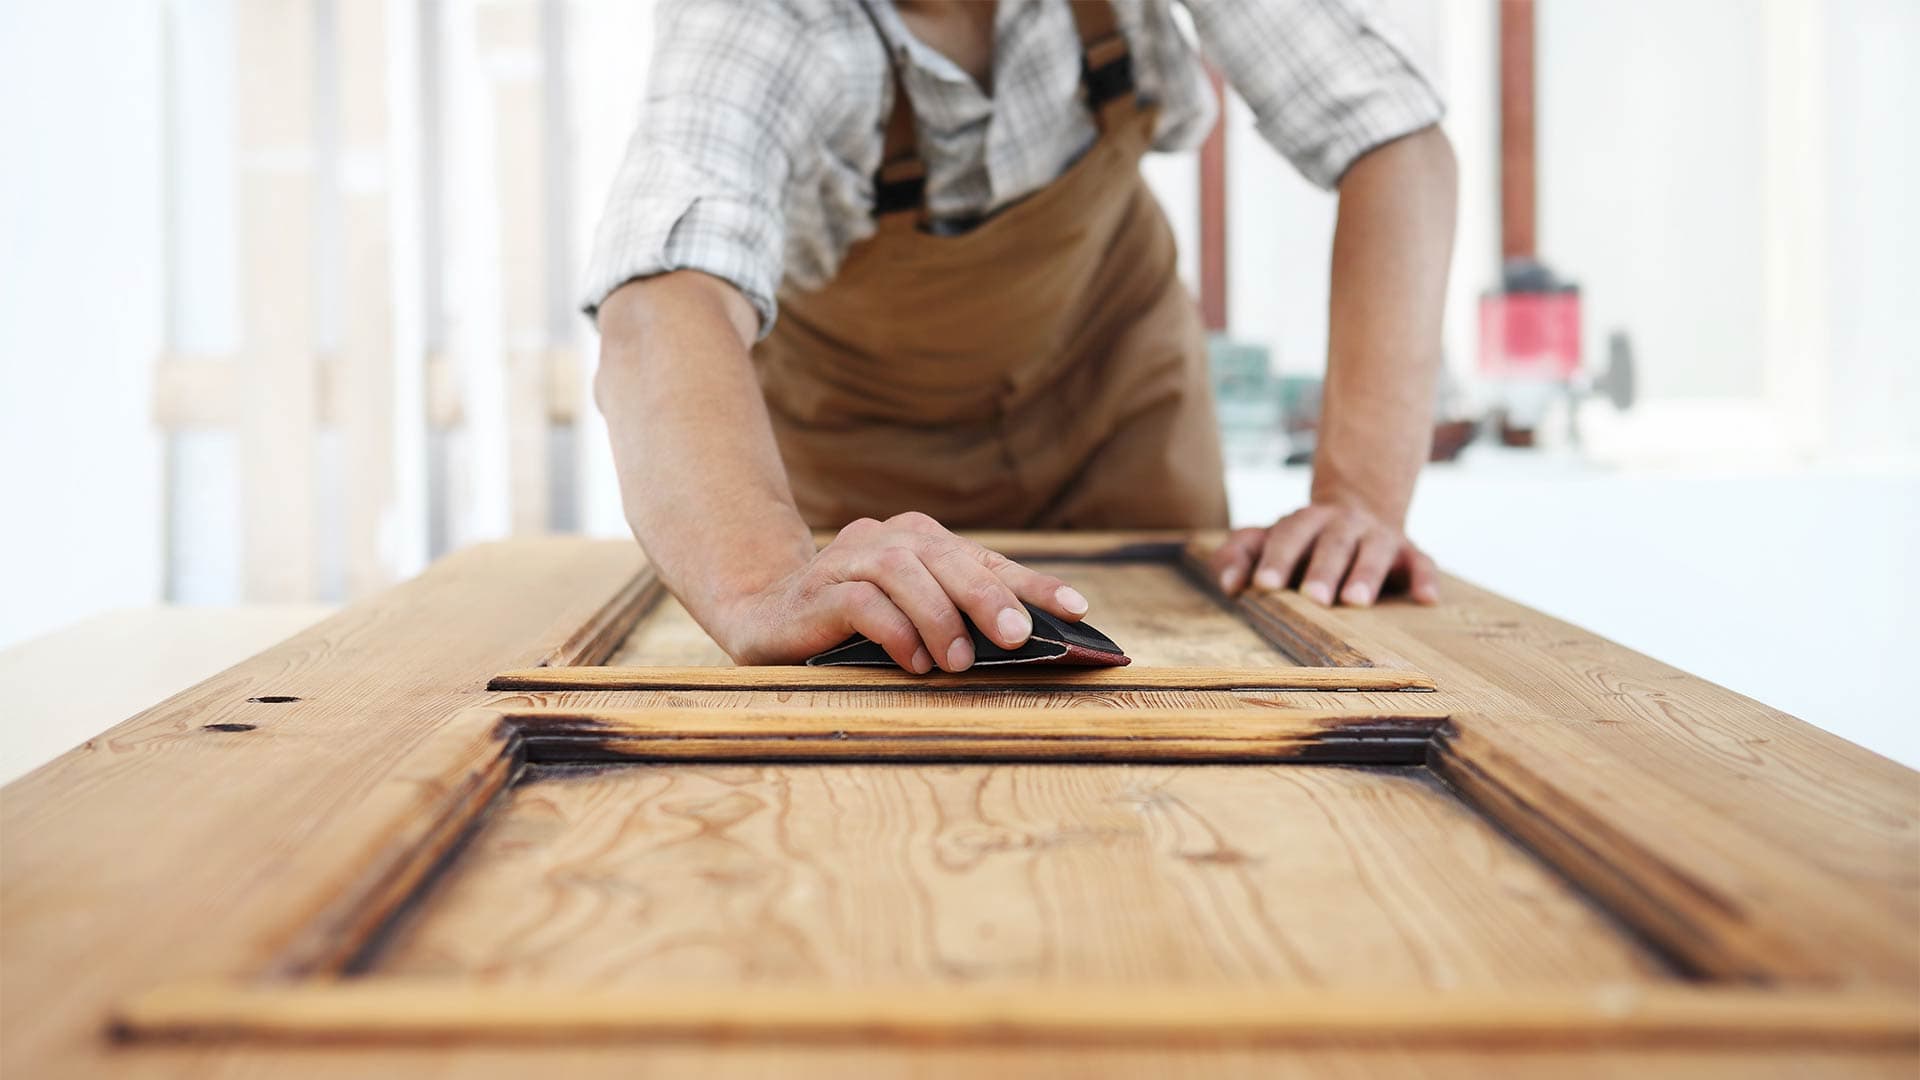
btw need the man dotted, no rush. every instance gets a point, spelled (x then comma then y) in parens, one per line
(889, 266)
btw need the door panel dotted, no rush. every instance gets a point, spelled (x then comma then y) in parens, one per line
(1154, 596)
(633, 853)
(652, 876)
(1153, 609)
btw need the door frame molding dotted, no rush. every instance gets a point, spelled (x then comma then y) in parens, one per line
(395, 842)
(1329, 654)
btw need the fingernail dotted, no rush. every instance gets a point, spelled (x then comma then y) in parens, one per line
(960, 655)
(1015, 627)
(1070, 598)
(1268, 579)
(1318, 593)
(1229, 579)
(1359, 595)
(922, 661)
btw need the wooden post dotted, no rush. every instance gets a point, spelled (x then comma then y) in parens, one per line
(1213, 216)
(1516, 129)
(274, 97)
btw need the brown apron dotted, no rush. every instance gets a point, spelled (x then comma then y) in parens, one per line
(1046, 369)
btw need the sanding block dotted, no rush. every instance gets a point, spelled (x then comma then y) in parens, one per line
(1054, 642)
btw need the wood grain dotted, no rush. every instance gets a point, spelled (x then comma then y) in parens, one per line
(789, 733)
(1700, 890)
(985, 678)
(168, 849)
(1153, 608)
(665, 635)
(422, 1009)
(1296, 627)
(1162, 620)
(859, 874)
(611, 627)
(1805, 838)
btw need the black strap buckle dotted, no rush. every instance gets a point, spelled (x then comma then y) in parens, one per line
(899, 185)
(1106, 69)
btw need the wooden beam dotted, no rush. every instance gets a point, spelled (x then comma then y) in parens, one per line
(1213, 215)
(377, 1008)
(1516, 130)
(196, 392)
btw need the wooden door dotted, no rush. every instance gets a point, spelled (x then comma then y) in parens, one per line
(521, 812)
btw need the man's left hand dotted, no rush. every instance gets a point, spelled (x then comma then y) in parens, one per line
(1332, 551)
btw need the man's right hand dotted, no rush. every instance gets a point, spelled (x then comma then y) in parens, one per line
(904, 583)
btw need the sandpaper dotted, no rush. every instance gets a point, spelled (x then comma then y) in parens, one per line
(1054, 642)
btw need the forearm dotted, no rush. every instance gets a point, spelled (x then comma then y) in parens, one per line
(700, 475)
(1391, 247)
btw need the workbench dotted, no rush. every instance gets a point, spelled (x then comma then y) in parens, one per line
(520, 815)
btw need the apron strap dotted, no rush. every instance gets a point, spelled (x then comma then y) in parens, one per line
(900, 183)
(1106, 77)
(1106, 65)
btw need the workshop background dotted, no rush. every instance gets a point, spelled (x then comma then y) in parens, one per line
(289, 310)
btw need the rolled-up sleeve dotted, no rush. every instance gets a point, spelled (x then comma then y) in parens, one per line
(731, 109)
(1327, 80)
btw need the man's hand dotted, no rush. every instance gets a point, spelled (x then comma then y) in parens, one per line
(1390, 251)
(904, 583)
(1322, 546)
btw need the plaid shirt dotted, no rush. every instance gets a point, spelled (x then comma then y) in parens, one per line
(762, 124)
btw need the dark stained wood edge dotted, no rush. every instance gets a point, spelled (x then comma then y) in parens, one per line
(448, 785)
(680, 733)
(1157, 546)
(414, 1010)
(1285, 625)
(599, 636)
(1717, 923)
(1303, 641)
(1120, 545)
(1008, 677)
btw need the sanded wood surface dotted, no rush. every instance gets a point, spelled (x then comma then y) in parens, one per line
(999, 677)
(1096, 1013)
(202, 837)
(1783, 833)
(198, 837)
(650, 876)
(666, 636)
(1153, 608)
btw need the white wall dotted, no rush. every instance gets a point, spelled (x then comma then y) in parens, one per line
(1281, 227)
(80, 309)
(1873, 280)
(1652, 140)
